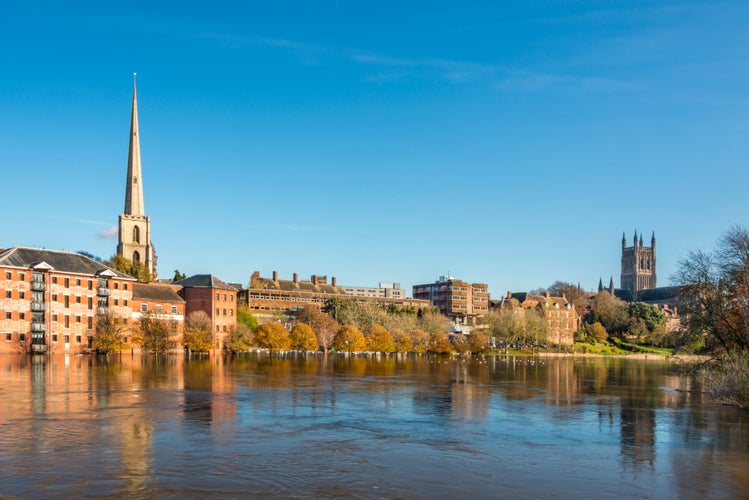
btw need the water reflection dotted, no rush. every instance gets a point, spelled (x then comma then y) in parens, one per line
(355, 426)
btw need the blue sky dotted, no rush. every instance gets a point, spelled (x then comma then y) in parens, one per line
(503, 142)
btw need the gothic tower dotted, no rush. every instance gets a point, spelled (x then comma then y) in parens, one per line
(638, 265)
(135, 227)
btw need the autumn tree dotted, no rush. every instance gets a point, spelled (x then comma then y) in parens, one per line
(324, 326)
(303, 338)
(611, 312)
(478, 342)
(379, 339)
(198, 332)
(419, 341)
(714, 295)
(153, 334)
(349, 339)
(596, 331)
(504, 326)
(109, 334)
(401, 340)
(272, 336)
(137, 270)
(439, 343)
(240, 338)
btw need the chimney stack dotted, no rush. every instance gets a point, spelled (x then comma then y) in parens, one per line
(275, 275)
(296, 278)
(333, 281)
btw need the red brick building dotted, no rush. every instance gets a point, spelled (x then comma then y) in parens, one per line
(163, 304)
(460, 301)
(205, 292)
(50, 300)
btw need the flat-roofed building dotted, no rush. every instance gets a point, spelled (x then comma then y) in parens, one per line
(459, 300)
(392, 290)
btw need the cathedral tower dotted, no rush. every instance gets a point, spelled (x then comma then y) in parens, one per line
(135, 227)
(638, 265)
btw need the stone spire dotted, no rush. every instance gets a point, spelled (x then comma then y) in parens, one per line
(134, 186)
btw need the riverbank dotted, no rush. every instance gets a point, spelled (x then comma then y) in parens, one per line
(691, 358)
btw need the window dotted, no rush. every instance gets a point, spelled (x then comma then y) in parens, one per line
(231, 298)
(21, 277)
(174, 309)
(218, 311)
(231, 312)
(158, 309)
(67, 300)
(136, 257)
(67, 339)
(216, 295)
(54, 280)
(136, 234)
(116, 302)
(7, 294)
(77, 299)
(21, 295)
(124, 286)
(90, 303)
(90, 285)
(77, 339)
(54, 338)
(224, 328)
(124, 302)
(77, 282)
(8, 276)
(116, 286)
(8, 315)
(22, 337)
(144, 307)
(21, 315)
(217, 328)
(90, 322)
(67, 283)
(8, 337)
(54, 297)
(67, 321)
(77, 319)
(224, 296)
(54, 317)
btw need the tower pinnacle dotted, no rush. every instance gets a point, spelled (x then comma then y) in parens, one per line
(134, 183)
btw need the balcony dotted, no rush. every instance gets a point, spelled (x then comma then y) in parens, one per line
(38, 306)
(103, 292)
(101, 310)
(38, 327)
(38, 286)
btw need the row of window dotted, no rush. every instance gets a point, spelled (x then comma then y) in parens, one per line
(218, 312)
(231, 297)
(158, 309)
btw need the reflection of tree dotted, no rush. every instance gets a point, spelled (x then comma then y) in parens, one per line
(197, 404)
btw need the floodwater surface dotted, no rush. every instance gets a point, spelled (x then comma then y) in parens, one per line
(412, 427)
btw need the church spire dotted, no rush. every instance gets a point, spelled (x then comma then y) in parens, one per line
(134, 187)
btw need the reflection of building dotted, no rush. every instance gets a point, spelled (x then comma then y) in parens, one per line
(561, 317)
(459, 300)
(267, 296)
(51, 300)
(134, 241)
(205, 292)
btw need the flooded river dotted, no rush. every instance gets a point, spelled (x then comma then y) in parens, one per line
(418, 427)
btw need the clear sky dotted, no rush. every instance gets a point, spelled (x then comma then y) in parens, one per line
(510, 143)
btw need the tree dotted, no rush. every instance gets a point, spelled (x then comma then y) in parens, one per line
(650, 315)
(240, 338)
(420, 341)
(246, 318)
(535, 327)
(613, 313)
(198, 332)
(303, 338)
(153, 334)
(478, 342)
(379, 339)
(109, 335)
(433, 322)
(506, 326)
(178, 276)
(137, 270)
(401, 340)
(714, 295)
(272, 336)
(596, 331)
(349, 339)
(324, 326)
(439, 343)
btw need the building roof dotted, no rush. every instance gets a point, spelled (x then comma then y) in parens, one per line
(257, 282)
(204, 281)
(664, 293)
(66, 262)
(150, 291)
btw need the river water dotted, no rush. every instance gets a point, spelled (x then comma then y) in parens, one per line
(417, 427)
